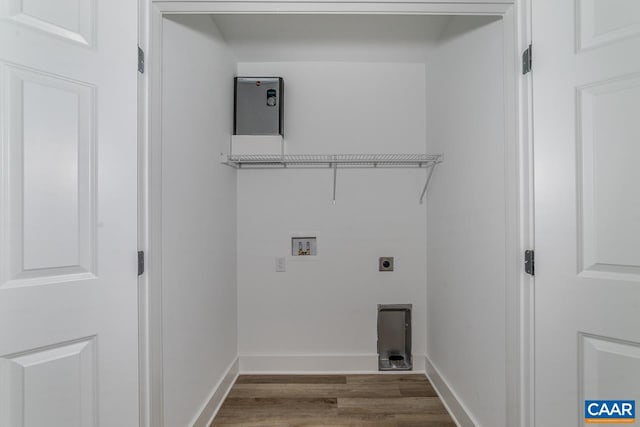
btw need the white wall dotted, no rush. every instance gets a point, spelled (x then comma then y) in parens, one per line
(321, 314)
(328, 306)
(466, 218)
(322, 37)
(199, 217)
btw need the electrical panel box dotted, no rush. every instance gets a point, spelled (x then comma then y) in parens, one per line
(259, 106)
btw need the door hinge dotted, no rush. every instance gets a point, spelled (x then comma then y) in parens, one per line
(140, 263)
(140, 60)
(527, 60)
(529, 262)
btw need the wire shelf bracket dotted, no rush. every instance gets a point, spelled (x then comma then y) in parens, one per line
(336, 161)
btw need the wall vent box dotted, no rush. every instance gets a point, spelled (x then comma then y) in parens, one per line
(258, 106)
(394, 337)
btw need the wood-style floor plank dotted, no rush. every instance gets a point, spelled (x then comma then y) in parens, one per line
(385, 400)
(292, 379)
(281, 404)
(315, 390)
(417, 390)
(386, 378)
(394, 405)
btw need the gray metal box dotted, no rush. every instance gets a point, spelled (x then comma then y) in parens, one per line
(394, 337)
(258, 106)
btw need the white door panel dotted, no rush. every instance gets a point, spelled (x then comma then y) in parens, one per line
(599, 22)
(68, 213)
(73, 20)
(50, 177)
(53, 386)
(608, 175)
(587, 144)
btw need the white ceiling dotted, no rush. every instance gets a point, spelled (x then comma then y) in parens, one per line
(358, 38)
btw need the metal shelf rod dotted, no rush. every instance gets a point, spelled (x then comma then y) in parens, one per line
(335, 176)
(335, 161)
(426, 184)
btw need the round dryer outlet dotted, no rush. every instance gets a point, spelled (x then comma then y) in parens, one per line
(385, 263)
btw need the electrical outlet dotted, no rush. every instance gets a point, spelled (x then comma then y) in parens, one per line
(281, 264)
(385, 263)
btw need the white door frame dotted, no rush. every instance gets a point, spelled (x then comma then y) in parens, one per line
(518, 175)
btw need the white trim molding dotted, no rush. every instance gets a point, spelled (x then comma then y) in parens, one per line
(218, 395)
(389, 7)
(449, 398)
(317, 364)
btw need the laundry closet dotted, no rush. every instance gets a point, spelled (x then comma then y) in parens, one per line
(236, 295)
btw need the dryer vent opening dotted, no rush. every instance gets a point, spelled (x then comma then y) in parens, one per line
(394, 337)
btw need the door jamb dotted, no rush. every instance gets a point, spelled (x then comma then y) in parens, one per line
(516, 15)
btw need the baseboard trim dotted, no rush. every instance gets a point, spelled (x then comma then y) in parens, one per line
(219, 393)
(317, 364)
(449, 398)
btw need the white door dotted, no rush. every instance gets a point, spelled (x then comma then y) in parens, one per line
(68, 276)
(586, 79)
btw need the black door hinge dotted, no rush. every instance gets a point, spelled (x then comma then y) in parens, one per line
(140, 263)
(529, 262)
(140, 60)
(527, 60)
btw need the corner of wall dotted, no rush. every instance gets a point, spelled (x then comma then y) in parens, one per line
(450, 399)
(218, 395)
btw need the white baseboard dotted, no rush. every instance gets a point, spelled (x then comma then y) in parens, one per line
(219, 393)
(317, 364)
(448, 396)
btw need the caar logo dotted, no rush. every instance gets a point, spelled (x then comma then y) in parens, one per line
(610, 411)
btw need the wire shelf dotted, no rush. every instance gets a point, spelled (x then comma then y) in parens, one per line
(335, 161)
(267, 161)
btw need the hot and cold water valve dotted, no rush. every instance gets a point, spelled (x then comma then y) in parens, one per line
(304, 246)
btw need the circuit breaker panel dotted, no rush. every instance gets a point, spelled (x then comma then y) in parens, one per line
(259, 106)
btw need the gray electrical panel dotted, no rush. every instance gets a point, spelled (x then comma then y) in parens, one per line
(258, 106)
(394, 337)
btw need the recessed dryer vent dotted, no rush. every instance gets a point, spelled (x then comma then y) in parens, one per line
(394, 337)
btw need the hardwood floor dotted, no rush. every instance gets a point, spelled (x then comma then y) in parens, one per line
(406, 400)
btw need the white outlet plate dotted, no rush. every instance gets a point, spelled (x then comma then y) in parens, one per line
(281, 264)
